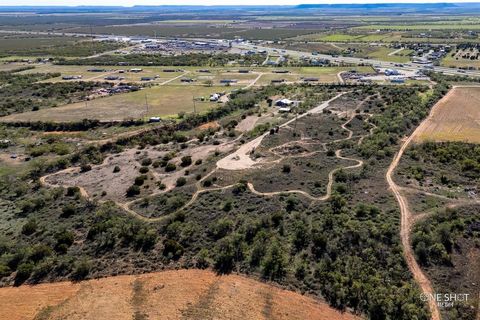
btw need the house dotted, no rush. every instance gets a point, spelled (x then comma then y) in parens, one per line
(72, 77)
(284, 103)
(228, 81)
(280, 71)
(136, 70)
(96, 70)
(147, 78)
(243, 71)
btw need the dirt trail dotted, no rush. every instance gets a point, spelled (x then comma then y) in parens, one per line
(242, 150)
(240, 159)
(406, 215)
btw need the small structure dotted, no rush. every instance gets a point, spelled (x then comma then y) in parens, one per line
(277, 81)
(204, 71)
(310, 79)
(154, 119)
(284, 103)
(228, 81)
(397, 80)
(392, 72)
(243, 71)
(76, 77)
(284, 109)
(214, 97)
(112, 78)
(96, 70)
(187, 80)
(280, 71)
(136, 70)
(146, 78)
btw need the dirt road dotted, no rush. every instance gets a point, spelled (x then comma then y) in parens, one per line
(406, 215)
(240, 159)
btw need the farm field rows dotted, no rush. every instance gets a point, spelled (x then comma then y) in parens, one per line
(186, 294)
(456, 118)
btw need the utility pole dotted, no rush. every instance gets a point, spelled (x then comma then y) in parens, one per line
(295, 123)
(194, 106)
(91, 35)
(146, 105)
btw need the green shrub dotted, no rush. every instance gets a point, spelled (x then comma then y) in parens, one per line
(133, 191)
(170, 167)
(181, 182)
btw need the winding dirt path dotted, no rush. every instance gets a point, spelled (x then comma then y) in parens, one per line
(407, 216)
(242, 150)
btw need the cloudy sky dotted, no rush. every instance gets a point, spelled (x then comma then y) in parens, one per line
(195, 2)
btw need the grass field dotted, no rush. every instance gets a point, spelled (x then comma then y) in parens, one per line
(168, 99)
(371, 35)
(427, 26)
(382, 53)
(455, 118)
(459, 62)
(162, 101)
(12, 66)
(66, 70)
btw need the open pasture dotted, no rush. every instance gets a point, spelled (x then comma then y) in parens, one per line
(455, 118)
(161, 100)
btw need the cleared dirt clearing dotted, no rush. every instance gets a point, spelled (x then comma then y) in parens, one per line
(183, 294)
(455, 118)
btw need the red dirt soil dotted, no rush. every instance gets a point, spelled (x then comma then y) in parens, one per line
(182, 294)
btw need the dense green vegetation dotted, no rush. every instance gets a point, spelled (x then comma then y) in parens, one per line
(453, 164)
(343, 250)
(23, 92)
(447, 245)
(53, 47)
(192, 59)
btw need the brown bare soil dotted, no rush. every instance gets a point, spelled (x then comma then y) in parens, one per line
(209, 125)
(455, 118)
(183, 294)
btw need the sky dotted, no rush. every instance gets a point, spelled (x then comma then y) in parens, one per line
(196, 2)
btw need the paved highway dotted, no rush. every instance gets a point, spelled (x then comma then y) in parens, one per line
(379, 63)
(293, 53)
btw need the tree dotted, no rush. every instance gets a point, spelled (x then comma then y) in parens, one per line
(181, 182)
(24, 271)
(225, 256)
(186, 161)
(81, 269)
(133, 191)
(274, 263)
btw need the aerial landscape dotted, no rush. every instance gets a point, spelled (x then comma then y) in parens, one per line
(237, 161)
